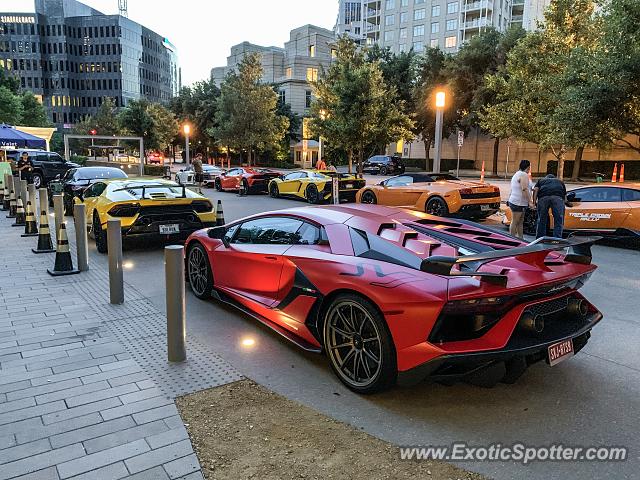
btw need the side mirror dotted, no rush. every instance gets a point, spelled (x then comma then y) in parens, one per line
(219, 233)
(571, 197)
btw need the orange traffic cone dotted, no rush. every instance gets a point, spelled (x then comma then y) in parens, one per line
(44, 236)
(63, 264)
(482, 173)
(20, 216)
(30, 227)
(615, 173)
(622, 173)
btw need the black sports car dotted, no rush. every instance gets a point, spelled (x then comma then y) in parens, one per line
(76, 180)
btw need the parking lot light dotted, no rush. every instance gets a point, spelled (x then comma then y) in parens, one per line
(440, 105)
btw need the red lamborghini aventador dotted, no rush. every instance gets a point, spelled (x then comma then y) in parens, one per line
(392, 295)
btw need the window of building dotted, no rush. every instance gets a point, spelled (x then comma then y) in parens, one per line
(419, 14)
(452, 7)
(404, 17)
(402, 47)
(307, 99)
(435, 10)
(390, 4)
(417, 2)
(282, 96)
(452, 24)
(389, 19)
(403, 33)
(288, 72)
(418, 46)
(312, 50)
(334, 52)
(312, 74)
(418, 31)
(404, 3)
(388, 35)
(450, 42)
(435, 27)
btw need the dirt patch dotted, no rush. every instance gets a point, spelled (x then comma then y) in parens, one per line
(243, 430)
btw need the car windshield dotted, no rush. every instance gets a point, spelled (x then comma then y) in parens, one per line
(86, 174)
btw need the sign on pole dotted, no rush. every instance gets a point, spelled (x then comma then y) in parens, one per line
(460, 138)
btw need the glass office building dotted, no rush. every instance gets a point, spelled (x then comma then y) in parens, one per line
(72, 57)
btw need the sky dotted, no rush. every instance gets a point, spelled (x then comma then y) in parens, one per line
(204, 31)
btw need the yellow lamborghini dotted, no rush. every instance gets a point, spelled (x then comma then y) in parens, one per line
(315, 186)
(146, 208)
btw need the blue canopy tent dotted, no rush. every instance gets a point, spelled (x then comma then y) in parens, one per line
(10, 137)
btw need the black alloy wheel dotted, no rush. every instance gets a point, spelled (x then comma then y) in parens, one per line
(274, 191)
(369, 197)
(37, 180)
(437, 206)
(383, 170)
(218, 185)
(99, 235)
(244, 188)
(359, 345)
(199, 272)
(313, 196)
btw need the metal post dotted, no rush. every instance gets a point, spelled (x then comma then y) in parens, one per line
(114, 246)
(58, 212)
(335, 190)
(176, 311)
(438, 152)
(82, 244)
(23, 192)
(141, 166)
(66, 148)
(43, 196)
(186, 151)
(320, 148)
(458, 165)
(31, 190)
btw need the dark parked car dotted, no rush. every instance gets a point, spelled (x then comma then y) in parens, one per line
(76, 180)
(383, 165)
(46, 165)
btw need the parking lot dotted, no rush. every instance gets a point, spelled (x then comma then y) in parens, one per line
(589, 400)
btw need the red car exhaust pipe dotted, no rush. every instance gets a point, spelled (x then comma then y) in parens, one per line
(532, 323)
(577, 306)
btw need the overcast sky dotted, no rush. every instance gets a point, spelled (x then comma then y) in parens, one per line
(204, 30)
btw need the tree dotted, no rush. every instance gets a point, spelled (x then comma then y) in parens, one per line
(136, 120)
(534, 97)
(197, 105)
(33, 114)
(354, 107)
(484, 54)
(431, 76)
(165, 126)
(246, 116)
(10, 107)
(10, 82)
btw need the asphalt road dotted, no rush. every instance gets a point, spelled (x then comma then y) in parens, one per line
(592, 399)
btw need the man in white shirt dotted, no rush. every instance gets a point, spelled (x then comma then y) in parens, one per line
(520, 198)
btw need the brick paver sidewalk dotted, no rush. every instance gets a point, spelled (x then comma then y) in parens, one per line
(85, 389)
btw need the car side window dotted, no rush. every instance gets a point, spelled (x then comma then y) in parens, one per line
(399, 181)
(54, 157)
(629, 195)
(293, 176)
(69, 175)
(95, 190)
(599, 194)
(268, 231)
(308, 234)
(42, 157)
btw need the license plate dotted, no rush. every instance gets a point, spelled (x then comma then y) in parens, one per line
(560, 351)
(349, 185)
(169, 229)
(485, 208)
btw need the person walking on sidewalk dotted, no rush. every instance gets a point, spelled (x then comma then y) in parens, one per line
(550, 193)
(520, 198)
(197, 169)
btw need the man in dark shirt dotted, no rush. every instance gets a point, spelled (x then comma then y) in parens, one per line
(550, 193)
(25, 167)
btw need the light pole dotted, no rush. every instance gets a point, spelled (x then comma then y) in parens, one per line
(323, 116)
(440, 103)
(187, 129)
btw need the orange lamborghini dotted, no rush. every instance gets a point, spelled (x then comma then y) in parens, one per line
(438, 194)
(606, 208)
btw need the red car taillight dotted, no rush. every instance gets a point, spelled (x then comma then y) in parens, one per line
(202, 206)
(466, 191)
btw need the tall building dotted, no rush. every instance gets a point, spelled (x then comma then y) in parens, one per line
(290, 69)
(72, 56)
(419, 24)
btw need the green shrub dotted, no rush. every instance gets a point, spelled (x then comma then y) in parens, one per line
(79, 159)
(154, 170)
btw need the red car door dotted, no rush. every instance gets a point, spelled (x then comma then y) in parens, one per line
(231, 180)
(251, 264)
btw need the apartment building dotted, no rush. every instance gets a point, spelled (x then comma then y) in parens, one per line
(72, 56)
(419, 24)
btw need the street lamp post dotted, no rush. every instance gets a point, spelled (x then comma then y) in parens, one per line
(187, 130)
(440, 103)
(323, 116)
